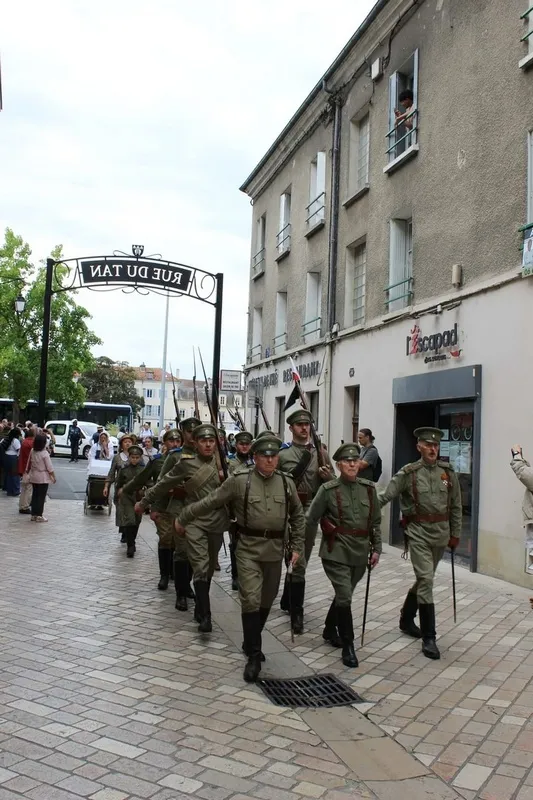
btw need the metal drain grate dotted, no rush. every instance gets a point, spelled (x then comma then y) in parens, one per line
(315, 691)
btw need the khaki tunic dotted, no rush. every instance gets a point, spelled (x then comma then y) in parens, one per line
(308, 485)
(126, 502)
(350, 505)
(259, 560)
(117, 465)
(426, 489)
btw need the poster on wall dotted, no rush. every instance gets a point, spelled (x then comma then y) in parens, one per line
(444, 451)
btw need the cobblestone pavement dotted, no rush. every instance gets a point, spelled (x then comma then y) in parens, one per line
(108, 693)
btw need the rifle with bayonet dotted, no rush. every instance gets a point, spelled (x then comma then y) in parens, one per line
(314, 435)
(175, 399)
(194, 389)
(263, 414)
(221, 460)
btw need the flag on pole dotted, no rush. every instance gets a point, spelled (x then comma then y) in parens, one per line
(295, 394)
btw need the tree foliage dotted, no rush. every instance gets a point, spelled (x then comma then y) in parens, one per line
(111, 381)
(21, 334)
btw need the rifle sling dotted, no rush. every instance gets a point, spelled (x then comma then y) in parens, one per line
(201, 477)
(301, 467)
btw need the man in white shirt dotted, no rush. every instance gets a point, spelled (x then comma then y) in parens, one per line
(146, 431)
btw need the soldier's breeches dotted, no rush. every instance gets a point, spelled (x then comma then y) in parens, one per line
(202, 551)
(344, 578)
(258, 582)
(165, 531)
(298, 572)
(424, 558)
(180, 548)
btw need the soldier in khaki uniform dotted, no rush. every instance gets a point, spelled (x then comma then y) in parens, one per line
(164, 522)
(265, 502)
(350, 517)
(241, 458)
(299, 459)
(430, 500)
(196, 476)
(128, 514)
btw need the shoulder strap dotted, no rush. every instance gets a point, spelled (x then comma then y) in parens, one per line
(338, 498)
(246, 498)
(416, 497)
(301, 467)
(370, 490)
(287, 493)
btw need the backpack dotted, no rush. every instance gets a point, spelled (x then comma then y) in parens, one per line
(377, 470)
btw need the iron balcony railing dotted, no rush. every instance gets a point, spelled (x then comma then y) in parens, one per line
(311, 329)
(316, 210)
(279, 342)
(284, 239)
(398, 144)
(258, 262)
(256, 353)
(526, 16)
(392, 297)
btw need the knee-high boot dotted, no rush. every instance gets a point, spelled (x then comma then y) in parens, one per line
(263, 616)
(297, 594)
(251, 629)
(427, 628)
(203, 607)
(234, 572)
(408, 614)
(181, 583)
(330, 633)
(345, 623)
(165, 565)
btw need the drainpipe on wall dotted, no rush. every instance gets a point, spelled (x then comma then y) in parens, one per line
(333, 241)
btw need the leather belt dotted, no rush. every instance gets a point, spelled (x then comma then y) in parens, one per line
(261, 534)
(353, 531)
(304, 497)
(427, 518)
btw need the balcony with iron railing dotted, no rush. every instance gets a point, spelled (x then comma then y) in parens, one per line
(399, 295)
(316, 212)
(258, 263)
(311, 330)
(279, 343)
(402, 141)
(283, 241)
(256, 352)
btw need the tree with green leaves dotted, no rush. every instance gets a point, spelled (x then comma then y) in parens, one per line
(71, 339)
(109, 381)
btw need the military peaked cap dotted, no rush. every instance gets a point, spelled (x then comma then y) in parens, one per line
(189, 424)
(302, 415)
(172, 434)
(431, 435)
(243, 437)
(267, 445)
(346, 451)
(135, 450)
(205, 431)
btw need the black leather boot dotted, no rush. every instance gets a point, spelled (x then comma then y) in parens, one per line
(131, 535)
(408, 614)
(284, 601)
(345, 625)
(203, 607)
(263, 616)
(297, 594)
(165, 565)
(181, 583)
(190, 593)
(251, 629)
(427, 627)
(234, 572)
(330, 633)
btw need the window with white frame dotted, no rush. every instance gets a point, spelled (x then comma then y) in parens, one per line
(359, 157)
(317, 191)
(527, 37)
(284, 234)
(399, 292)
(355, 285)
(259, 257)
(257, 334)
(530, 177)
(312, 325)
(148, 393)
(147, 411)
(222, 400)
(403, 108)
(280, 339)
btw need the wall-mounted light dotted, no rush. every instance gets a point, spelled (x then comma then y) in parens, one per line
(457, 275)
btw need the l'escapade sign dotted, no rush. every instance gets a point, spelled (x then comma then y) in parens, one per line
(433, 344)
(118, 270)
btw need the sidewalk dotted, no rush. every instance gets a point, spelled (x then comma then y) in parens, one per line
(108, 693)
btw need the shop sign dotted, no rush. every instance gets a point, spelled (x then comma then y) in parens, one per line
(230, 380)
(310, 370)
(527, 253)
(434, 344)
(259, 383)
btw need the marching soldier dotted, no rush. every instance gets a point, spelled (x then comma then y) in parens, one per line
(430, 501)
(164, 522)
(192, 478)
(266, 503)
(350, 517)
(128, 514)
(237, 460)
(299, 459)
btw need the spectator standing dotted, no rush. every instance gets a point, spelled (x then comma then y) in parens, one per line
(149, 451)
(101, 448)
(25, 486)
(96, 435)
(524, 472)
(75, 435)
(41, 475)
(369, 462)
(11, 459)
(146, 431)
(121, 432)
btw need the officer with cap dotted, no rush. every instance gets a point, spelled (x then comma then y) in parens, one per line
(266, 505)
(164, 522)
(191, 479)
(129, 517)
(430, 501)
(242, 457)
(299, 459)
(350, 517)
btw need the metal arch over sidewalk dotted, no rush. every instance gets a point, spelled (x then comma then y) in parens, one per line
(134, 273)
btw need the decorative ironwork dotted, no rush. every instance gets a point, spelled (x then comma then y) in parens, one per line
(134, 274)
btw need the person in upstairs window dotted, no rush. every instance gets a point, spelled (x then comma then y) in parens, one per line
(405, 117)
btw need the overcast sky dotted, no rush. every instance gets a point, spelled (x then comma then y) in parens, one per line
(129, 122)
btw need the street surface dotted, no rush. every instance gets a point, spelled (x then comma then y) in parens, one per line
(71, 479)
(108, 693)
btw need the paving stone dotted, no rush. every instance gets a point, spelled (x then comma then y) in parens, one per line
(472, 777)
